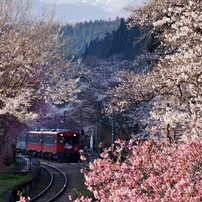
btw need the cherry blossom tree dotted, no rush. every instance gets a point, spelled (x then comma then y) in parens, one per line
(28, 49)
(147, 171)
(10, 127)
(30, 66)
(173, 86)
(87, 108)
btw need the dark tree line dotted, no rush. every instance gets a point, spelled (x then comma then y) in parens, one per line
(123, 42)
(79, 36)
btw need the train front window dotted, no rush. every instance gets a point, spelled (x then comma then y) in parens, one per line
(68, 140)
(75, 139)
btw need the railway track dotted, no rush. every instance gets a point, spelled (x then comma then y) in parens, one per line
(55, 187)
(40, 192)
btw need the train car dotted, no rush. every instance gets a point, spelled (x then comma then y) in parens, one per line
(60, 145)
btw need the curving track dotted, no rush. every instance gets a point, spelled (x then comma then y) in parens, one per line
(71, 170)
(57, 184)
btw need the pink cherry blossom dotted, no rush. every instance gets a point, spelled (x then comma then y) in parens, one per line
(148, 171)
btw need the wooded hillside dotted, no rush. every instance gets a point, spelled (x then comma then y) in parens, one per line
(103, 39)
(79, 36)
(123, 42)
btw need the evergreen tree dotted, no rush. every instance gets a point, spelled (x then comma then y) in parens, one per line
(78, 37)
(122, 41)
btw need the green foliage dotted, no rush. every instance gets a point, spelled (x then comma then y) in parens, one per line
(9, 181)
(122, 41)
(81, 189)
(80, 35)
(76, 183)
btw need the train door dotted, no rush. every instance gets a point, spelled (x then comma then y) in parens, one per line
(68, 142)
(72, 146)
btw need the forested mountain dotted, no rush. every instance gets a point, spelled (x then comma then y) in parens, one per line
(123, 42)
(79, 36)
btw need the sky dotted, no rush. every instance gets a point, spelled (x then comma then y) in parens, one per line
(72, 11)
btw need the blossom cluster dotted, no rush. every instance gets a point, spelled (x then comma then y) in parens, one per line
(148, 171)
(175, 78)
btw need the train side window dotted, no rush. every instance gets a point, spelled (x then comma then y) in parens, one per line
(75, 138)
(50, 140)
(33, 139)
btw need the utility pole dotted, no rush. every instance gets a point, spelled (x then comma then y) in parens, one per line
(113, 126)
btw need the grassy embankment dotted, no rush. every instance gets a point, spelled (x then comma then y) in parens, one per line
(76, 183)
(8, 180)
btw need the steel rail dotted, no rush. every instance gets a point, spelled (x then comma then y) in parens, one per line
(50, 184)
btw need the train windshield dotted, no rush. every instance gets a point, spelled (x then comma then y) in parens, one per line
(68, 140)
(75, 138)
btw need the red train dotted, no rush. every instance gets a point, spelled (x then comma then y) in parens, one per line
(53, 144)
